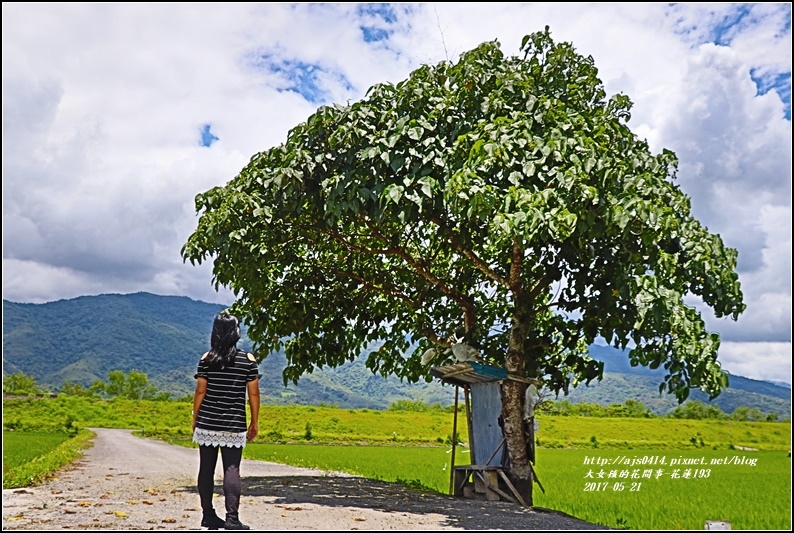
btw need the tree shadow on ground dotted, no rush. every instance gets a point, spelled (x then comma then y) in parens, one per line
(394, 497)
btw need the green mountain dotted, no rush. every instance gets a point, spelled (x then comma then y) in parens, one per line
(619, 387)
(623, 382)
(82, 339)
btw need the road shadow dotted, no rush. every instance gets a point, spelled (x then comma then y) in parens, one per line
(397, 498)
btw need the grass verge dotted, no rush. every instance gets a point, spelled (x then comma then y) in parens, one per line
(45, 466)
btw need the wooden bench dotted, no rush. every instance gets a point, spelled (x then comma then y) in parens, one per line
(471, 481)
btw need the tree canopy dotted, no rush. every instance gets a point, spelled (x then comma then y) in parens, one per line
(500, 197)
(21, 383)
(134, 386)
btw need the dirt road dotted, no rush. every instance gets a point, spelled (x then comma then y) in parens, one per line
(129, 483)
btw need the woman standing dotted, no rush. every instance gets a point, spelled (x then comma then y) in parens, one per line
(224, 376)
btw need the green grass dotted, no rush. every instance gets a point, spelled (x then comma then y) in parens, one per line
(661, 433)
(171, 420)
(407, 447)
(20, 448)
(351, 426)
(754, 496)
(330, 425)
(750, 497)
(39, 468)
(423, 468)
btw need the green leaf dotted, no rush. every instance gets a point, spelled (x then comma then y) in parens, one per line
(396, 163)
(496, 155)
(415, 133)
(394, 193)
(427, 186)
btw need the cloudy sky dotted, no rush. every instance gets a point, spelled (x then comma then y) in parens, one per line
(115, 115)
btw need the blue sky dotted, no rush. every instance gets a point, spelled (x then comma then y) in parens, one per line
(116, 115)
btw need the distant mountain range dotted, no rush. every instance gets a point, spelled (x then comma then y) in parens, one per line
(623, 381)
(82, 339)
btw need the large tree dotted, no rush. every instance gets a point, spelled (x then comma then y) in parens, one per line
(500, 197)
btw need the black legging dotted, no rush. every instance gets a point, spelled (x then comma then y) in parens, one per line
(208, 458)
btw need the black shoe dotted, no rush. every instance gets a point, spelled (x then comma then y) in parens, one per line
(212, 521)
(233, 523)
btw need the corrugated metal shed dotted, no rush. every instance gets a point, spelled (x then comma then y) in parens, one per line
(481, 384)
(470, 372)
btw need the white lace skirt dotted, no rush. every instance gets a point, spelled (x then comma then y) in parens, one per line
(208, 437)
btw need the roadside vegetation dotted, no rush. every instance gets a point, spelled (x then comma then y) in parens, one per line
(406, 424)
(411, 443)
(33, 457)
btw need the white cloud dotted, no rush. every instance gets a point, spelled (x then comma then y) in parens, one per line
(103, 106)
(770, 361)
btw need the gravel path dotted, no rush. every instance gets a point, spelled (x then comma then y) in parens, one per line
(125, 482)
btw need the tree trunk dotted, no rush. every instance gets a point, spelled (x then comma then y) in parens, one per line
(519, 469)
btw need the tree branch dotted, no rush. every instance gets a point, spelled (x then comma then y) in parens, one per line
(468, 306)
(470, 255)
(433, 337)
(469, 310)
(516, 263)
(393, 291)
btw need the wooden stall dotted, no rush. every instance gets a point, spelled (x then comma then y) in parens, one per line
(484, 477)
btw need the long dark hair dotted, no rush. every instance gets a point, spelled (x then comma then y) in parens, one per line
(225, 334)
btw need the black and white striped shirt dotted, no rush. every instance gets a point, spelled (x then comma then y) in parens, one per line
(223, 407)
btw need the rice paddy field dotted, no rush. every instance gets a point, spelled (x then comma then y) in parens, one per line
(30, 458)
(21, 448)
(643, 489)
(664, 489)
(627, 473)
